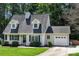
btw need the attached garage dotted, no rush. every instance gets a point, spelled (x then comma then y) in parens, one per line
(61, 40)
(59, 35)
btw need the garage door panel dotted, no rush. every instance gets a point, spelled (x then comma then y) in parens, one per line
(60, 41)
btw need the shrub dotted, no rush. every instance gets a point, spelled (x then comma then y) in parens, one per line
(46, 45)
(0, 41)
(15, 44)
(5, 43)
(74, 37)
(35, 44)
(49, 44)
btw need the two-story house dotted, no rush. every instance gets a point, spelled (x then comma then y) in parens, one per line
(28, 27)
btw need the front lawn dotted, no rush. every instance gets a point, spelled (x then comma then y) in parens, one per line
(74, 54)
(12, 51)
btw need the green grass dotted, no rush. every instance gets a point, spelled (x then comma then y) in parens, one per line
(12, 51)
(74, 54)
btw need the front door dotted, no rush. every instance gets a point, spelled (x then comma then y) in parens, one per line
(24, 39)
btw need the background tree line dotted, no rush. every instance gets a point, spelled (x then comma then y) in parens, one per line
(60, 14)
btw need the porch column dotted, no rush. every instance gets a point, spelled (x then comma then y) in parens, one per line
(27, 40)
(8, 37)
(20, 39)
(42, 39)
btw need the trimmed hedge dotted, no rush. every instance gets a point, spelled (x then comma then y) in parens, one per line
(15, 44)
(5, 43)
(35, 44)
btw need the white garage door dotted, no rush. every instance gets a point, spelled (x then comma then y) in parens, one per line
(61, 41)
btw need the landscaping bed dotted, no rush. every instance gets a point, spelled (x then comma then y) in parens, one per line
(14, 51)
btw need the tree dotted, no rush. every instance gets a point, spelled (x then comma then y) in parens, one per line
(59, 13)
(2, 9)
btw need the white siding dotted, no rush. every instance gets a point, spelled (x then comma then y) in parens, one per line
(42, 39)
(49, 40)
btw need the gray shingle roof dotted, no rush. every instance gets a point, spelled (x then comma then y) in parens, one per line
(61, 29)
(23, 27)
(20, 18)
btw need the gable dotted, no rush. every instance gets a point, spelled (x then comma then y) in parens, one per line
(49, 30)
(35, 21)
(43, 19)
(14, 21)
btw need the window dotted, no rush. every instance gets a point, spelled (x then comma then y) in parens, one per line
(58, 37)
(24, 36)
(30, 38)
(48, 36)
(35, 38)
(5, 37)
(13, 26)
(35, 25)
(14, 37)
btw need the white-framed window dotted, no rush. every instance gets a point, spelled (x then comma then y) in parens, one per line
(14, 37)
(36, 23)
(13, 26)
(34, 38)
(5, 37)
(48, 36)
(35, 26)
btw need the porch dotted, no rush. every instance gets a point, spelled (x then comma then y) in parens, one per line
(25, 39)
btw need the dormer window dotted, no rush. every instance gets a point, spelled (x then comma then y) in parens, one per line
(13, 26)
(36, 24)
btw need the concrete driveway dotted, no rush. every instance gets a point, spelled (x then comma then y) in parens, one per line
(60, 51)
